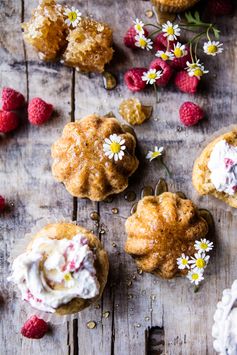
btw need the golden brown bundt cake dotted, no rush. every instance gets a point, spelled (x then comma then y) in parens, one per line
(174, 5)
(94, 157)
(163, 228)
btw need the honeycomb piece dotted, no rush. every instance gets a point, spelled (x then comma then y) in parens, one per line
(46, 31)
(162, 228)
(80, 161)
(89, 46)
(133, 112)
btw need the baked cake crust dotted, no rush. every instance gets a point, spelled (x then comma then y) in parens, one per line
(174, 5)
(163, 228)
(81, 164)
(69, 230)
(201, 173)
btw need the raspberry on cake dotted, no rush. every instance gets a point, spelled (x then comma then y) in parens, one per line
(96, 164)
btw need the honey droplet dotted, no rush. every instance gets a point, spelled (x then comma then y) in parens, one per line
(114, 245)
(91, 325)
(181, 195)
(147, 191)
(115, 210)
(147, 111)
(130, 196)
(97, 306)
(139, 271)
(137, 325)
(106, 314)
(149, 13)
(147, 318)
(102, 231)
(161, 187)
(95, 216)
(208, 217)
(109, 114)
(110, 81)
(134, 208)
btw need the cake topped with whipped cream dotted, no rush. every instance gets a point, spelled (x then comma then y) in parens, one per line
(53, 271)
(215, 170)
(224, 329)
(223, 167)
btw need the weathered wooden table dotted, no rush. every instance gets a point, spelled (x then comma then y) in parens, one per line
(147, 315)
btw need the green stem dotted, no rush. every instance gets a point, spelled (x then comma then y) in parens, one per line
(191, 51)
(201, 24)
(166, 167)
(197, 36)
(154, 32)
(208, 36)
(151, 24)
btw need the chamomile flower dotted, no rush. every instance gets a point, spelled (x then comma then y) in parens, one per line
(170, 30)
(199, 261)
(196, 69)
(73, 16)
(151, 76)
(138, 25)
(68, 280)
(213, 48)
(114, 147)
(157, 152)
(165, 55)
(203, 245)
(195, 276)
(179, 50)
(182, 262)
(143, 42)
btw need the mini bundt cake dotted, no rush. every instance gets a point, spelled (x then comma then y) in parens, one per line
(174, 5)
(162, 228)
(215, 170)
(94, 157)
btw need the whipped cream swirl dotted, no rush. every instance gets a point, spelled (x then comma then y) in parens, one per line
(224, 329)
(55, 271)
(223, 167)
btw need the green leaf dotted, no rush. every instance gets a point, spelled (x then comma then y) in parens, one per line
(189, 17)
(216, 32)
(197, 16)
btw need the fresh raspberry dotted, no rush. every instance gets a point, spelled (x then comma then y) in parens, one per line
(167, 71)
(186, 83)
(34, 328)
(161, 43)
(8, 121)
(129, 38)
(39, 111)
(181, 63)
(190, 113)
(12, 99)
(133, 79)
(220, 7)
(2, 203)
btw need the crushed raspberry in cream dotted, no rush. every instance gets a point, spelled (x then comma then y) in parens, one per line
(223, 167)
(55, 271)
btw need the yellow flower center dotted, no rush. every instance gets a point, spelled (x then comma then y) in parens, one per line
(138, 27)
(152, 75)
(178, 52)
(72, 16)
(212, 49)
(198, 72)
(184, 261)
(200, 263)
(142, 42)
(203, 246)
(195, 277)
(155, 155)
(164, 56)
(170, 30)
(67, 277)
(115, 147)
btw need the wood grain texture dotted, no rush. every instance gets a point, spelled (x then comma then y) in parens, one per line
(147, 315)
